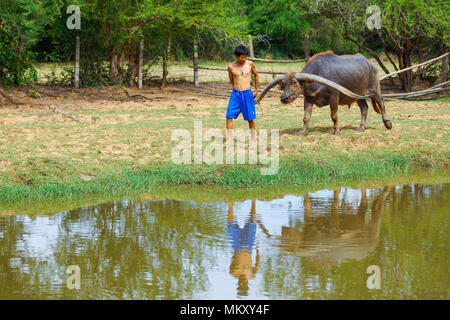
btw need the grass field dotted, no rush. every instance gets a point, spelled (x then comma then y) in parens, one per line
(124, 145)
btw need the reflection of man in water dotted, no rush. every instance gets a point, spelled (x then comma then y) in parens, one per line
(242, 241)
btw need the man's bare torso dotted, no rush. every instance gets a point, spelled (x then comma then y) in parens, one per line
(241, 74)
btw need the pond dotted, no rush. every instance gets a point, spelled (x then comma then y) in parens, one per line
(380, 243)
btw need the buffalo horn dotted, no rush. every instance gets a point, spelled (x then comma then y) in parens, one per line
(306, 77)
(268, 87)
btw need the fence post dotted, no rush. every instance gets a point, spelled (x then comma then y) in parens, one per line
(196, 80)
(141, 62)
(444, 72)
(77, 63)
(307, 51)
(250, 47)
(252, 55)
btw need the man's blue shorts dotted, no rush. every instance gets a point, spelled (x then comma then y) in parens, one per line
(241, 101)
(242, 239)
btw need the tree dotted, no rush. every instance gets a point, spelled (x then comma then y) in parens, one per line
(404, 24)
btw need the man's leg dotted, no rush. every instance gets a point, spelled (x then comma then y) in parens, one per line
(229, 130)
(251, 124)
(230, 213)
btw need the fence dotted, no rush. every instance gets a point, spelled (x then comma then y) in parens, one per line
(196, 68)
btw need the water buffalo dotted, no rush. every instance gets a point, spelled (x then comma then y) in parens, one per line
(336, 232)
(328, 79)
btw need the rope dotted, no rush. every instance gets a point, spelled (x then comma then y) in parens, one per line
(416, 66)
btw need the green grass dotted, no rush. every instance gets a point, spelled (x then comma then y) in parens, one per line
(304, 172)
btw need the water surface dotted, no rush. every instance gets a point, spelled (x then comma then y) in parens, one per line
(317, 245)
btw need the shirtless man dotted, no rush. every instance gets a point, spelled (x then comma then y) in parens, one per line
(242, 98)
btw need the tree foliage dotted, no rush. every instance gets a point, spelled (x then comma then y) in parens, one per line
(111, 31)
(405, 26)
(15, 68)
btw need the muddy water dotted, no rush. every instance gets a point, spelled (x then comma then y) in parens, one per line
(317, 245)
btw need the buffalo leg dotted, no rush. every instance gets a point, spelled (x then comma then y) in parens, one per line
(335, 210)
(334, 117)
(308, 110)
(380, 103)
(364, 107)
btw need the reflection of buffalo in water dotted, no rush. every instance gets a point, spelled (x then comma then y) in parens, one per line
(336, 236)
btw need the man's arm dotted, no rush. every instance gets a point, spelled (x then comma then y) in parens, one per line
(256, 80)
(230, 74)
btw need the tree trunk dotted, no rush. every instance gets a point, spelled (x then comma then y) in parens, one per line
(419, 54)
(408, 74)
(114, 64)
(404, 60)
(250, 47)
(404, 52)
(166, 57)
(444, 72)
(133, 66)
(401, 66)
(406, 77)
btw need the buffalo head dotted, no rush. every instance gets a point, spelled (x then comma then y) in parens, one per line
(292, 86)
